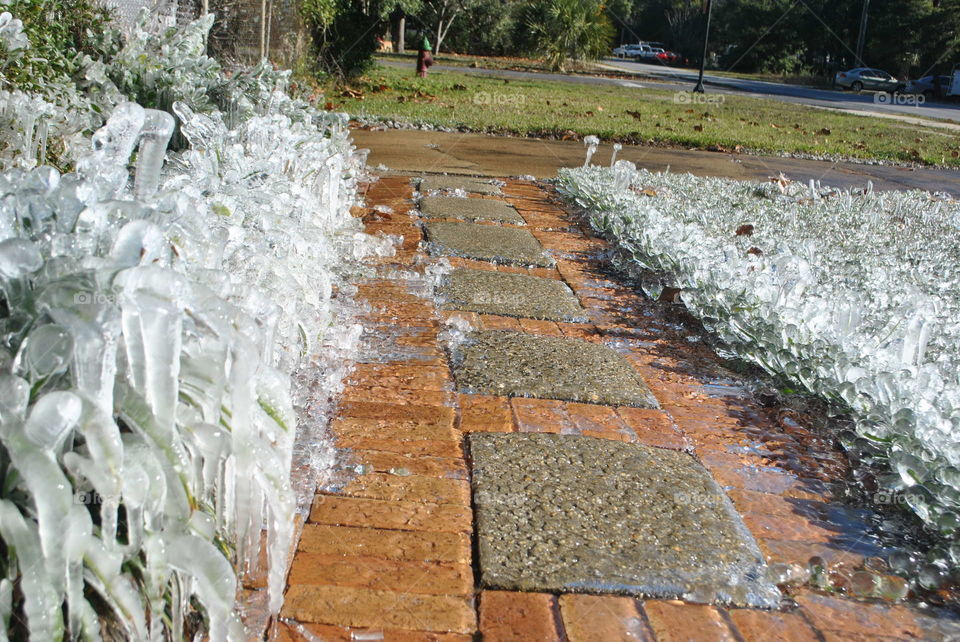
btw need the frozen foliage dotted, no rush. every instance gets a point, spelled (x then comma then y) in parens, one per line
(162, 329)
(854, 295)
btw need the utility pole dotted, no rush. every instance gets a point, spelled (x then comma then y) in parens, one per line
(861, 39)
(703, 58)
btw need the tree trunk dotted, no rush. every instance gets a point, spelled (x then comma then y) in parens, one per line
(398, 24)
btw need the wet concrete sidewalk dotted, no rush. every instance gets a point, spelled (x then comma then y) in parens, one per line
(405, 150)
(390, 549)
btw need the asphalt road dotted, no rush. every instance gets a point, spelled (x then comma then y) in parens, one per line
(671, 79)
(867, 101)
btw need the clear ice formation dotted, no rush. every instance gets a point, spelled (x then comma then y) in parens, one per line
(855, 295)
(170, 334)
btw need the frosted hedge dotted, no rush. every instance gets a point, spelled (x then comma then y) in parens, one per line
(166, 319)
(855, 296)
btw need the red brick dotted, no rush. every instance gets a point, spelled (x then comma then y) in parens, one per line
(506, 616)
(801, 552)
(535, 326)
(385, 462)
(419, 546)
(495, 322)
(864, 620)
(672, 620)
(379, 574)
(421, 414)
(348, 428)
(587, 416)
(367, 608)
(413, 488)
(374, 513)
(653, 428)
(579, 331)
(402, 376)
(596, 618)
(409, 447)
(541, 415)
(482, 413)
(285, 632)
(762, 626)
(396, 395)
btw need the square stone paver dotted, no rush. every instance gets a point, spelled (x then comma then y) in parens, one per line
(487, 243)
(469, 209)
(513, 295)
(514, 364)
(566, 513)
(467, 183)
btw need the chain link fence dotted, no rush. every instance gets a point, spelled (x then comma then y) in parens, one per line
(244, 31)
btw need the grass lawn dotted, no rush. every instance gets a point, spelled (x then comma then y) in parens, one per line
(558, 109)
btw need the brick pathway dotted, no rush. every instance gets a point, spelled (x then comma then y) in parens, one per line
(387, 554)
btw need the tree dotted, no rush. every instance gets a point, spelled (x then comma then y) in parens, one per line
(344, 32)
(571, 30)
(440, 15)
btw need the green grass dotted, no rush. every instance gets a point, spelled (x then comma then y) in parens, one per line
(557, 109)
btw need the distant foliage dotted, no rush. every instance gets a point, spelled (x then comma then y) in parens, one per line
(61, 34)
(571, 30)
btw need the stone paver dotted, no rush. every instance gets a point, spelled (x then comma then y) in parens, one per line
(516, 295)
(572, 513)
(486, 242)
(387, 553)
(466, 183)
(469, 209)
(523, 365)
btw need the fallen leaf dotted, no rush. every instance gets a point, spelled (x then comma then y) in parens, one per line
(698, 128)
(755, 251)
(329, 106)
(637, 115)
(646, 191)
(823, 132)
(745, 230)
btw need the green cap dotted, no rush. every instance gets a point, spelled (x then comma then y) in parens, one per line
(425, 45)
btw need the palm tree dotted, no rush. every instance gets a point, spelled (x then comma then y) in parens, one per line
(571, 30)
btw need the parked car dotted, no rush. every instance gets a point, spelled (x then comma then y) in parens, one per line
(629, 51)
(867, 78)
(650, 54)
(926, 86)
(668, 57)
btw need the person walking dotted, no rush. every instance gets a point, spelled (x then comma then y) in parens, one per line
(424, 59)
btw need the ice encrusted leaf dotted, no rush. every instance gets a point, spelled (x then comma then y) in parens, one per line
(40, 595)
(46, 351)
(52, 418)
(18, 257)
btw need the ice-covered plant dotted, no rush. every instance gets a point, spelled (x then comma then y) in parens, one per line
(853, 295)
(165, 328)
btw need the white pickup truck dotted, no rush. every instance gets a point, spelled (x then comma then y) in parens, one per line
(631, 51)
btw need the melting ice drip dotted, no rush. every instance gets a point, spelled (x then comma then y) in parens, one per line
(856, 296)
